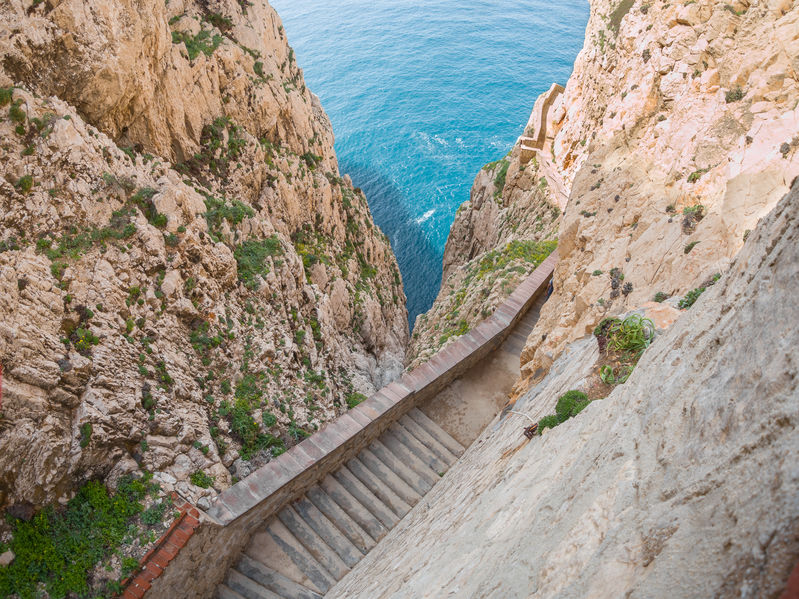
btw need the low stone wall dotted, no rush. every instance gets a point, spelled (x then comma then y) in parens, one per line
(227, 526)
(538, 122)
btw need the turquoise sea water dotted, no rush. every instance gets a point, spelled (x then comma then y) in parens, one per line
(422, 95)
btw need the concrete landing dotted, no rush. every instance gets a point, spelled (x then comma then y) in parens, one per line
(469, 404)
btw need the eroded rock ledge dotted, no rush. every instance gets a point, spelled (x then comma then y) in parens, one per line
(187, 284)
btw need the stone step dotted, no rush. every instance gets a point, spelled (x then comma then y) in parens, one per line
(429, 441)
(366, 498)
(380, 489)
(330, 534)
(401, 466)
(436, 431)
(225, 592)
(419, 449)
(247, 587)
(354, 509)
(264, 549)
(315, 545)
(274, 581)
(316, 573)
(386, 474)
(407, 455)
(341, 519)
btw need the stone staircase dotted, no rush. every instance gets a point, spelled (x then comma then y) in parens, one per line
(314, 542)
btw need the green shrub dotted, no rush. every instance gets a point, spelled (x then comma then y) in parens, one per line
(15, 113)
(60, 548)
(155, 513)
(85, 434)
(251, 259)
(499, 178)
(631, 335)
(690, 298)
(201, 479)
(269, 419)
(569, 405)
(25, 183)
(353, 399)
(687, 249)
(144, 200)
(84, 339)
(218, 210)
(203, 42)
(734, 95)
(661, 297)
(6, 95)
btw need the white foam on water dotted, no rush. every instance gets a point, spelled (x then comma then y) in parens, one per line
(426, 216)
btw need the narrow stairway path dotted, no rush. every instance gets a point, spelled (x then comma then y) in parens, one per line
(313, 542)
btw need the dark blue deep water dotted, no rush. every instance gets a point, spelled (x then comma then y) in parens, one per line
(422, 95)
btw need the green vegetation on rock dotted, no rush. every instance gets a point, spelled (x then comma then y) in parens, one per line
(251, 259)
(569, 405)
(58, 548)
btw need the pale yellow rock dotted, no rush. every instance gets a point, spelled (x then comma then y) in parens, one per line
(231, 147)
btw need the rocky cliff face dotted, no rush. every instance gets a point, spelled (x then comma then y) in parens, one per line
(508, 226)
(187, 284)
(677, 131)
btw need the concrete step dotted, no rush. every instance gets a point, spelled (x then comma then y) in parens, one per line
(331, 535)
(274, 581)
(408, 457)
(300, 556)
(343, 521)
(225, 592)
(247, 587)
(401, 466)
(419, 449)
(429, 441)
(366, 498)
(354, 508)
(380, 489)
(315, 545)
(393, 479)
(436, 431)
(264, 549)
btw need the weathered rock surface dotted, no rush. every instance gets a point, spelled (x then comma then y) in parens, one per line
(493, 244)
(682, 481)
(677, 131)
(186, 281)
(670, 107)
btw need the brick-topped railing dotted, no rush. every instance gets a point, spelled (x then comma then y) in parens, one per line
(164, 551)
(226, 527)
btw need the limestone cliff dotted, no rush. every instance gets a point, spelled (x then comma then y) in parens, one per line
(508, 226)
(677, 131)
(187, 284)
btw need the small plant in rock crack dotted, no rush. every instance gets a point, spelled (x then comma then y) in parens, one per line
(660, 297)
(734, 95)
(693, 295)
(631, 335)
(691, 216)
(612, 375)
(201, 479)
(569, 405)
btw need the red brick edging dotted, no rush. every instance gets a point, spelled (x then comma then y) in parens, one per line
(792, 586)
(167, 547)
